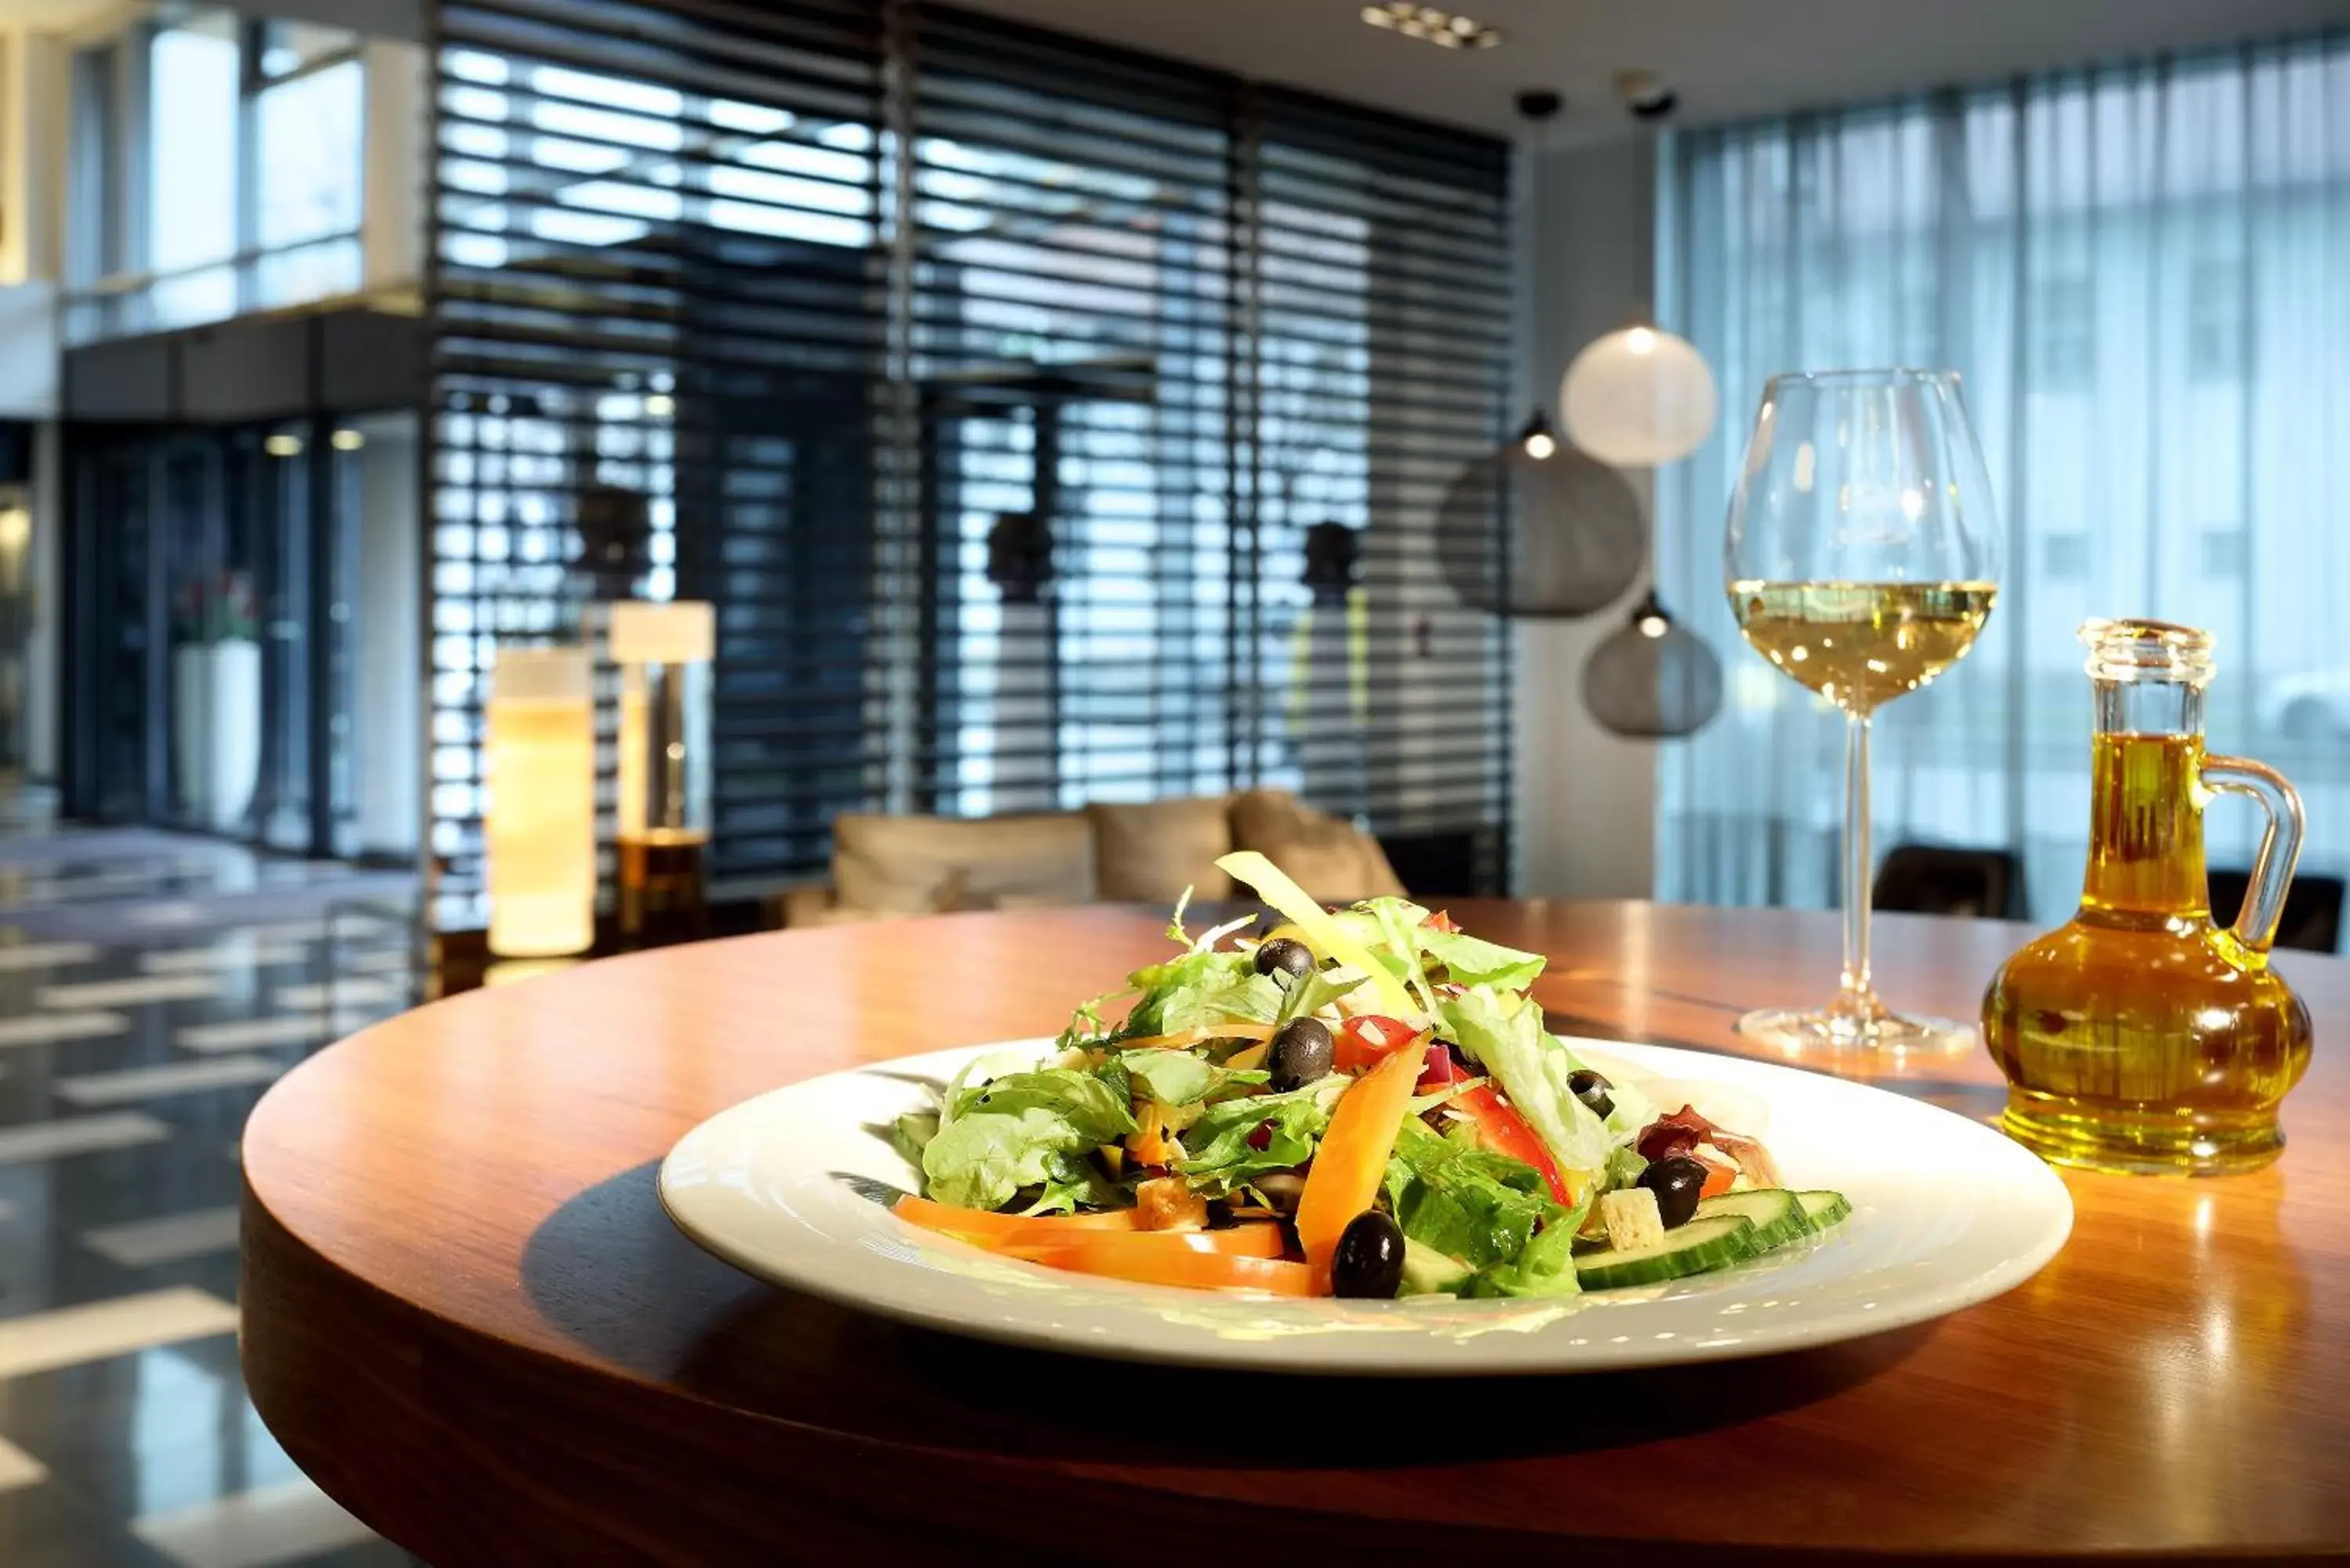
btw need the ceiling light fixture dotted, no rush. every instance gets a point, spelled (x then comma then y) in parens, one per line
(1640, 397)
(1430, 25)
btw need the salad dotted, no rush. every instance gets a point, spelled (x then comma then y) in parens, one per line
(1359, 1102)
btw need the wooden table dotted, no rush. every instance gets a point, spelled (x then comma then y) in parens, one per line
(467, 1318)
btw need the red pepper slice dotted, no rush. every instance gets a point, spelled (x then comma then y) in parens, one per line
(1499, 1126)
(1441, 921)
(1367, 1040)
(1502, 1130)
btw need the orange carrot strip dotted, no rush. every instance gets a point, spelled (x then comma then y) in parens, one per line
(1160, 1265)
(978, 1225)
(1348, 1164)
(1240, 1241)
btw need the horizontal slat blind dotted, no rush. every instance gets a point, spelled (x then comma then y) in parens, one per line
(1382, 267)
(1075, 316)
(1009, 508)
(658, 310)
(1261, 312)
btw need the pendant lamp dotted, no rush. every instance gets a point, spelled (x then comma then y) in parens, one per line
(1652, 680)
(1536, 529)
(1571, 541)
(1639, 397)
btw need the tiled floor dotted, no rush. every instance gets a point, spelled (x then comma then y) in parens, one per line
(151, 988)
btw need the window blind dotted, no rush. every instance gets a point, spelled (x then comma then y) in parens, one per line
(1049, 423)
(658, 308)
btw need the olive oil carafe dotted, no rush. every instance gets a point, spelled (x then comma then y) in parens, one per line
(2140, 1036)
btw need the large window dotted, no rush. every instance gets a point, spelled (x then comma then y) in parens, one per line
(2143, 279)
(193, 104)
(1000, 420)
(219, 161)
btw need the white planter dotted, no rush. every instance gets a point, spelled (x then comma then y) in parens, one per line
(216, 727)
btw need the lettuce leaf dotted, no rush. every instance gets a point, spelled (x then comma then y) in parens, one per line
(1072, 1182)
(1008, 1133)
(1218, 1157)
(1471, 960)
(1469, 1203)
(1400, 924)
(1200, 989)
(1086, 1026)
(1546, 1268)
(1182, 1077)
(1503, 1032)
(1316, 991)
(1322, 934)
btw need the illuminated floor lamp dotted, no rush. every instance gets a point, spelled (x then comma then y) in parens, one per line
(541, 830)
(664, 652)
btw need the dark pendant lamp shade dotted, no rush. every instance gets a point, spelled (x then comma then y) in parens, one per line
(1538, 530)
(1653, 679)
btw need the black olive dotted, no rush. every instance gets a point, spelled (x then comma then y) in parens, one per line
(1300, 1055)
(1592, 1089)
(1368, 1264)
(1282, 957)
(1678, 1181)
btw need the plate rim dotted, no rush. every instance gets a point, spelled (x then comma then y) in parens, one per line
(1841, 1326)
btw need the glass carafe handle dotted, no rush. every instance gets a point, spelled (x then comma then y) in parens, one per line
(2256, 926)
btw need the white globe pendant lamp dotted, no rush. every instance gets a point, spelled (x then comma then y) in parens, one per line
(1639, 397)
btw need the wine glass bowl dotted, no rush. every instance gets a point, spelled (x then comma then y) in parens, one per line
(1862, 559)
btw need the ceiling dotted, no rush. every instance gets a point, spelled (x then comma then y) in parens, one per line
(1727, 58)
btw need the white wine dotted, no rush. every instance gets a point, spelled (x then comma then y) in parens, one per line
(1860, 645)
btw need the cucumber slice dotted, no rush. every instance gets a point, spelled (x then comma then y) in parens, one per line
(1822, 1209)
(1777, 1213)
(1699, 1245)
(1429, 1272)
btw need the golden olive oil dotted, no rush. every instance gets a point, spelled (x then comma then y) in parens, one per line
(2139, 1036)
(1860, 645)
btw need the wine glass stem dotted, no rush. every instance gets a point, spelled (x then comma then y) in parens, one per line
(1857, 865)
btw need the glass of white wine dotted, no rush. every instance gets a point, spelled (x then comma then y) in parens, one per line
(1863, 558)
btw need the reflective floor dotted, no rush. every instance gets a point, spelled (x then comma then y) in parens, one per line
(152, 987)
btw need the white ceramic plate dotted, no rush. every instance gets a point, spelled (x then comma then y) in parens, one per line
(1945, 1213)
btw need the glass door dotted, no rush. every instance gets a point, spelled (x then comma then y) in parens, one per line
(213, 577)
(212, 680)
(117, 648)
(275, 472)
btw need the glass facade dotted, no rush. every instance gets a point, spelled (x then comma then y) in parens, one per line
(217, 169)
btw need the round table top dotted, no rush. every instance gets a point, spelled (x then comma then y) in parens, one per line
(466, 1316)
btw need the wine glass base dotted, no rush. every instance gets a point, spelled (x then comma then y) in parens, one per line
(1833, 1029)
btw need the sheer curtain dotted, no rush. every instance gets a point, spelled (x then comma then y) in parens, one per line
(2142, 276)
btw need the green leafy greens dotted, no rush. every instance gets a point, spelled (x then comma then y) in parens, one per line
(1486, 1210)
(1217, 1155)
(1471, 960)
(1200, 990)
(1183, 1077)
(1479, 1206)
(998, 1138)
(1503, 1032)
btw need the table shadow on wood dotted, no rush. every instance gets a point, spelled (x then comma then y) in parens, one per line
(594, 1266)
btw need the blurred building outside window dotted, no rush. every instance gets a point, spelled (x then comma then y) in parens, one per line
(217, 161)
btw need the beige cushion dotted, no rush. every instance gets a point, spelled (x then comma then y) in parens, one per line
(921, 865)
(1331, 859)
(1150, 853)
